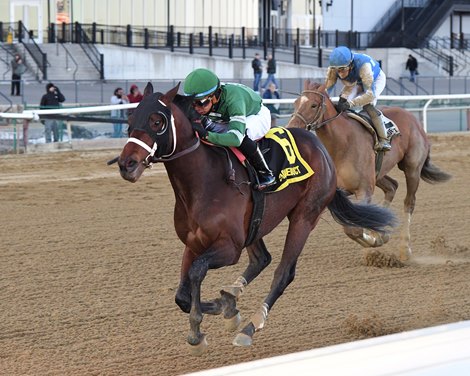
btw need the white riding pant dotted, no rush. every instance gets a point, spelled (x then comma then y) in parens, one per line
(256, 125)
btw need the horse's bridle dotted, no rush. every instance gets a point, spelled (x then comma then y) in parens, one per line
(314, 124)
(171, 155)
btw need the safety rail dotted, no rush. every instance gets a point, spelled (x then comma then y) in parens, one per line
(427, 100)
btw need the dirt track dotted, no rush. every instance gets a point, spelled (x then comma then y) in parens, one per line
(90, 264)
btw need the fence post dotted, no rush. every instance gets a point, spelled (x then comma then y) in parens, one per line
(243, 43)
(201, 39)
(128, 36)
(230, 47)
(93, 32)
(101, 67)
(146, 38)
(191, 46)
(210, 40)
(171, 38)
(25, 134)
(78, 36)
(1, 32)
(20, 31)
(320, 57)
(44, 66)
(296, 47)
(63, 40)
(51, 33)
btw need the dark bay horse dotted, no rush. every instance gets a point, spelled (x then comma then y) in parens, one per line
(351, 148)
(212, 212)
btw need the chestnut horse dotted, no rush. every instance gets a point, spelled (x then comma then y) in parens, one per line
(212, 212)
(351, 148)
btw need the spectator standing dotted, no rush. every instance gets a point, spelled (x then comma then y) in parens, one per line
(271, 70)
(412, 66)
(272, 93)
(118, 98)
(134, 96)
(257, 66)
(52, 99)
(17, 69)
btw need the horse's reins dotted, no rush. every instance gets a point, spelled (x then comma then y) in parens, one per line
(313, 125)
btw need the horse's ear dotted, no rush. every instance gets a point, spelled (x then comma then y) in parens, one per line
(148, 89)
(170, 95)
(306, 84)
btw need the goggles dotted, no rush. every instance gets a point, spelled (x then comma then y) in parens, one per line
(343, 68)
(203, 102)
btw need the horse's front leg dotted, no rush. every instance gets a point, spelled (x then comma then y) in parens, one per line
(259, 259)
(196, 338)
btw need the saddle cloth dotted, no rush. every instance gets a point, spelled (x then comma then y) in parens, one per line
(364, 118)
(283, 157)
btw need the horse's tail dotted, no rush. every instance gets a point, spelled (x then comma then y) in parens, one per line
(432, 174)
(369, 216)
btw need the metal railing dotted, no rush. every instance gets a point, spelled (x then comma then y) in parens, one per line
(25, 37)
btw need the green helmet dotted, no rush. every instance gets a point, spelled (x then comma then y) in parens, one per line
(200, 83)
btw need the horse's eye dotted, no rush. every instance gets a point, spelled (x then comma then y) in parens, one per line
(314, 105)
(158, 124)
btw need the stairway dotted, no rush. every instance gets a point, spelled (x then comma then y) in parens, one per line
(68, 62)
(420, 21)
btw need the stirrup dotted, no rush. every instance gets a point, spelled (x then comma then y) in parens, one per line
(270, 180)
(383, 145)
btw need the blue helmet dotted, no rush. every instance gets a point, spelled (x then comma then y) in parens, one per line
(341, 57)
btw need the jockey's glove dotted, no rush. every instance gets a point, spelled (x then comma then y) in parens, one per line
(206, 122)
(201, 131)
(343, 105)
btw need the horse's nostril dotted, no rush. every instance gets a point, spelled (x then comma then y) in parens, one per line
(131, 163)
(128, 164)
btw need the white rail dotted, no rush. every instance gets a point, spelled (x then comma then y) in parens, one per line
(34, 114)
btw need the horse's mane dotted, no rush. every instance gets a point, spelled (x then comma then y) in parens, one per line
(184, 102)
(313, 85)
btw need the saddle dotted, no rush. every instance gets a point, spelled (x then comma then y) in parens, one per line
(364, 118)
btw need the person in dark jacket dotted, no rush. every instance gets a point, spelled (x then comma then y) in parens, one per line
(257, 72)
(52, 99)
(412, 66)
(271, 70)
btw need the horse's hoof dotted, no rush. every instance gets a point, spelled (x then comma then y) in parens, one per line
(200, 348)
(233, 323)
(242, 339)
(405, 255)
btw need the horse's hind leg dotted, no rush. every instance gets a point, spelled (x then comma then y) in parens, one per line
(259, 259)
(389, 186)
(412, 183)
(285, 272)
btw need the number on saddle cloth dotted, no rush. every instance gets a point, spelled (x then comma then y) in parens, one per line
(283, 157)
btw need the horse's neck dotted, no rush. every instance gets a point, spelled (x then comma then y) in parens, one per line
(193, 173)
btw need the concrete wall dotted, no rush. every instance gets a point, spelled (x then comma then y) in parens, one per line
(135, 64)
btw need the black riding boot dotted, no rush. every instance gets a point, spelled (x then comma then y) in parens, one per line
(265, 175)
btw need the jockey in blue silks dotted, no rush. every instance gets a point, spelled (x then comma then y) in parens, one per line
(363, 81)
